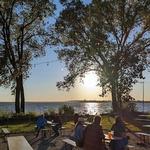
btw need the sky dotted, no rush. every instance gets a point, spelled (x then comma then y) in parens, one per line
(47, 71)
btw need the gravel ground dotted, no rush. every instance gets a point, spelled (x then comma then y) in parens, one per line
(52, 142)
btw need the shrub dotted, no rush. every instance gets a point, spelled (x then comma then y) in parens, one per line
(65, 109)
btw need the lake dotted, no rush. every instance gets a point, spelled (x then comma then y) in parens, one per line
(80, 107)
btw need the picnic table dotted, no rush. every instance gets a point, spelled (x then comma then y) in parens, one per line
(144, 115)
(108, 138)
(147, 126)
(144, 120)
(144, 137)
(18, 143)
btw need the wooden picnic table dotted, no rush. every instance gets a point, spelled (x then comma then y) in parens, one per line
(144, 115)
(108, 139)
(147, 126)
(144, 137)
(144, 120)
(18, 143)
(51, 123)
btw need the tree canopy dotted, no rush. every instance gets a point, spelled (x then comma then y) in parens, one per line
(24, 33)
(111, 38)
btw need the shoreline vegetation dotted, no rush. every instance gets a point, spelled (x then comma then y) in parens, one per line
(25, 122)
(76, 101)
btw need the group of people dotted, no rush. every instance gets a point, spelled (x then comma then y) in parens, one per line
(41, 123)
(92, 136)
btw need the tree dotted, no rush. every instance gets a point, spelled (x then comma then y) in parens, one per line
(108, 37)
(23, 35)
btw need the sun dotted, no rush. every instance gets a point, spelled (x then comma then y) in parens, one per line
(90, 80)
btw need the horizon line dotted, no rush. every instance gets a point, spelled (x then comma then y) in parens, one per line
(52, 101)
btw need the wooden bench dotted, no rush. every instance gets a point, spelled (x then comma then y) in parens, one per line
(18, 143)
(62, 129)
(131, 147)
(142, 120)
(45, 131)
(5, 132)
(70, 142)
(144, 137)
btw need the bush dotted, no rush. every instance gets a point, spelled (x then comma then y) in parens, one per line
(65, 109)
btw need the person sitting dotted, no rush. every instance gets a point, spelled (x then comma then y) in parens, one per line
(41, 122)
(78, 132)
(120, 134)
(57, 124)
(94, 136)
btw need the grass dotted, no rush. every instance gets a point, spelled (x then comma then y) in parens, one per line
(107, 122)
(20, 127)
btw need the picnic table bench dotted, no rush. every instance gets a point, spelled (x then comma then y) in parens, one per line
(147, 125)
(18, 143)
(70, 142)
(144, 120)
(144, 137)
(5, 132)
(144, 115)
(52, 124)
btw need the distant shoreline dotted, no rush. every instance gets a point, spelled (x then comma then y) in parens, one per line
(80, 101)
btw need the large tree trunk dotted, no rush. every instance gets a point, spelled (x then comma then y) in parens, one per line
(20, 98)
(17, 96)
(22, 95)
(114, 98)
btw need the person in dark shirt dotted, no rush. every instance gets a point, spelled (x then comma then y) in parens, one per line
(94, 136)
(75, 118)
(57, 124)
(120, 132)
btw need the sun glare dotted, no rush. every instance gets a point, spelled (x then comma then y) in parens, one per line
(90, 80)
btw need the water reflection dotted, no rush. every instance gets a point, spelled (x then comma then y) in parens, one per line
(91, 108)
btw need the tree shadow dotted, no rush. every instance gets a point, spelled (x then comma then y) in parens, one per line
(46, 143)
(66, 147)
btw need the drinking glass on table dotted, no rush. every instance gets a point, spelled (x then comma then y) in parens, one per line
(110, 135)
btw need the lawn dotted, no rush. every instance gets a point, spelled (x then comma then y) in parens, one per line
(107, 122)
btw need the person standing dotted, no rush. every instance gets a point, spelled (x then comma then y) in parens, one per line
(94, 136)
(58, 124)
(41, 122)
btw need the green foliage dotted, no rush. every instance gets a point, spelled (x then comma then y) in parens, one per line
(110, 38)
(65, 109)
(51, 112)
(25, 32)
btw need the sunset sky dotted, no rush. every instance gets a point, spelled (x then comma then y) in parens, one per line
(41, 85)
(46, 71)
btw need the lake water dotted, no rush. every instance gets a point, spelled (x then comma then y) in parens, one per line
(80, 107)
